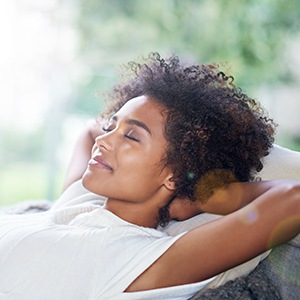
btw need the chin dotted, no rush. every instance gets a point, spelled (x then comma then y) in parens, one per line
(90, 184)
(87, 181)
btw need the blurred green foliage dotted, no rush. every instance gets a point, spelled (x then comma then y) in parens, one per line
(248, 34)
(20, 146)
(26, 181)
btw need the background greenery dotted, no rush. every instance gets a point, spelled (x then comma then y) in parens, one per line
(250, 38)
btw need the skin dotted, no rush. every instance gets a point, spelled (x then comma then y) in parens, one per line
(263, 214)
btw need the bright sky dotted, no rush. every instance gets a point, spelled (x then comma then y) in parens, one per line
(36, 54)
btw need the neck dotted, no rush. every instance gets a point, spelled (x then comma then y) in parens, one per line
(144, 214)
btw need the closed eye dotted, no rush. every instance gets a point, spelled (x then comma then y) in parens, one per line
(107, 128)
(109, 125)
(130, 136)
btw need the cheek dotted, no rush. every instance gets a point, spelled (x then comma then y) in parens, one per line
(143, 164)
(136, 173)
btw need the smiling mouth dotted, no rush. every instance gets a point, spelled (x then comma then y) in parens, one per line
(98, 162)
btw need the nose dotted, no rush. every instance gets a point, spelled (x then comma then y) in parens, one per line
(104, 141)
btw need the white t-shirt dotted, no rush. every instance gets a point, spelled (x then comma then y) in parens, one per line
(79, 251)
(76, 193)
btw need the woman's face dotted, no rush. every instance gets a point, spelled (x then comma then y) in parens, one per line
(126, 160)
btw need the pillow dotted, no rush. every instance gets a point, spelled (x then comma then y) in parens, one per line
(281, 163)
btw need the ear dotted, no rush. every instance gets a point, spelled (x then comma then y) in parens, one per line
(170, 183)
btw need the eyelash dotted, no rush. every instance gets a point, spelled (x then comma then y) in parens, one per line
(131, 138)
(106, 129)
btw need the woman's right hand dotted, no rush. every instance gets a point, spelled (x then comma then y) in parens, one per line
(82, 150)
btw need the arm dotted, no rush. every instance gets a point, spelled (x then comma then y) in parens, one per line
(223, 201)
(272, 218)
(82, 151)
(234, 196)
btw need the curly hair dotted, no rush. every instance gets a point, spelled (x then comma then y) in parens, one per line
(216, 134)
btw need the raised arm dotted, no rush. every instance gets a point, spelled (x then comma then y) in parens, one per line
(223, 201)
(272, 218)
(82, 151)
(234, 196)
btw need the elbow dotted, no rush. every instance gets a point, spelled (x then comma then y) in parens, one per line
(291, 195)
(289, 226)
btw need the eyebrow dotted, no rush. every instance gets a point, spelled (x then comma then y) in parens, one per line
(134, 122)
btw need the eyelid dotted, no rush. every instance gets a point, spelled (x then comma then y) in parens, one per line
(106, 127)
(131, 137)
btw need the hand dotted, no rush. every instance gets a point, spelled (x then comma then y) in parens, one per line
(82, 150)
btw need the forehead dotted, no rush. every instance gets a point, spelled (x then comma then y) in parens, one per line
(143, 108)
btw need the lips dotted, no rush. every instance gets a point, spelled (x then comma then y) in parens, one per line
(99, 162)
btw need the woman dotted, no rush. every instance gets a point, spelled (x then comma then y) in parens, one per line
(180, 141)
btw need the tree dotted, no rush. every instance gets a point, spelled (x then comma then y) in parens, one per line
(248, 34)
